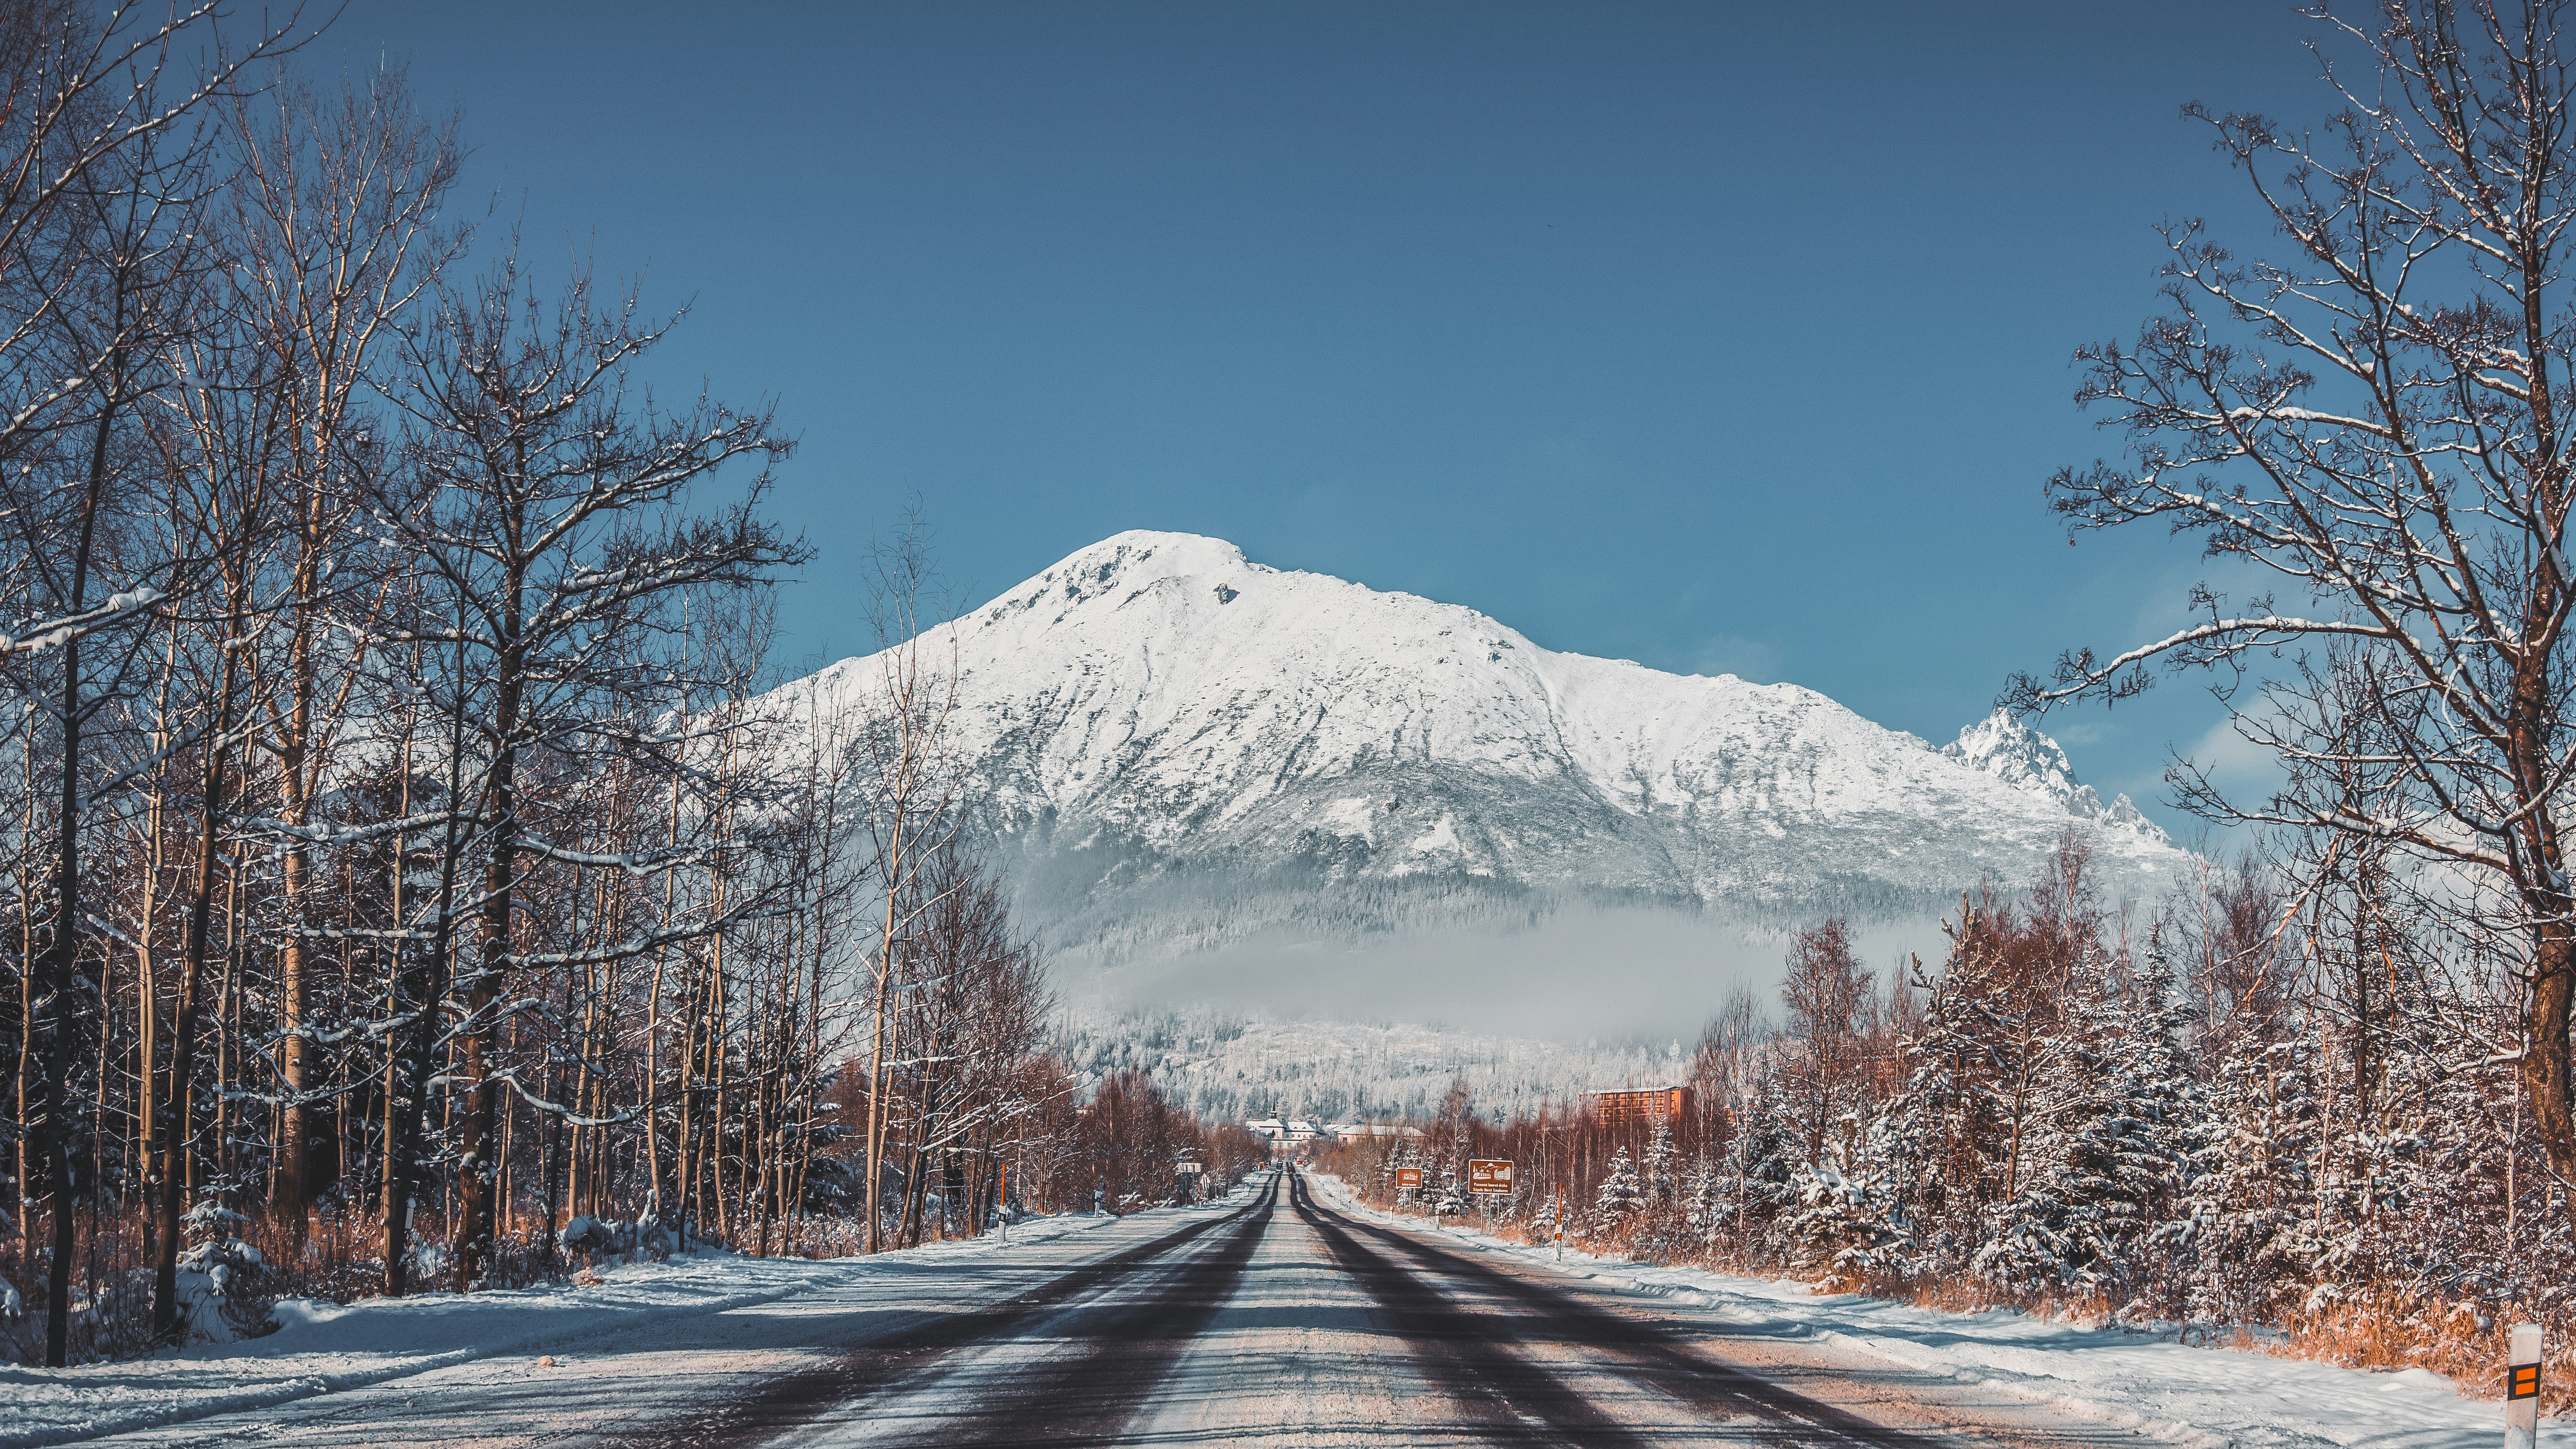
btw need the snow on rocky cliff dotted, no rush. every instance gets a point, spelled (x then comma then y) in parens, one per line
(1172, 747)
(2027, 760)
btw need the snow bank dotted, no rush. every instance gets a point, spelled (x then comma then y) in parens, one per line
(2154, 1386)
(321, 1347)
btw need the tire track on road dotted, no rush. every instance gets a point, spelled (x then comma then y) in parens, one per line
(1516, 1400)
(908, 1356)
(1668, 1363)
(1088, 1396)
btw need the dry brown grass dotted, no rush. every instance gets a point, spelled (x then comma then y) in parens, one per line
(2388, 1332)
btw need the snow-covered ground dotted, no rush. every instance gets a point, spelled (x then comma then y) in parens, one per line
(655, 1343)
(324, 1347)
(2156, 1387)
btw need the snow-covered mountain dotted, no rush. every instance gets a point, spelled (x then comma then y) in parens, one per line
(1174, 749)
(2027, 760)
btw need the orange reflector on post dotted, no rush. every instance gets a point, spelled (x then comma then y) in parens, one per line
(2522, 1387)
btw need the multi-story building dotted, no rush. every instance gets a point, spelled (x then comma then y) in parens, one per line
(1652, 1105)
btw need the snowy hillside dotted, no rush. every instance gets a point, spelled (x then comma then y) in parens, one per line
(1229, 1067)
(1173, 749)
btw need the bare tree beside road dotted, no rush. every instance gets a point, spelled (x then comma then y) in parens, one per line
(2378, 421)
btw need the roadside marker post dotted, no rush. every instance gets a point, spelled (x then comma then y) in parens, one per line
(1560, 1225)
(2522, 1388)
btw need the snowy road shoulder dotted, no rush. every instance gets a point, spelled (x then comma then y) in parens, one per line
(2157, 1387)
(323, 1347)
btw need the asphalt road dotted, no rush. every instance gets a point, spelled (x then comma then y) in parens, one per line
(1281, 1321)
(1285, 1322)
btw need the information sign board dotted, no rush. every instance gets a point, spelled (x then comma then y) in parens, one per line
(1491, 1176)
(1408, 1177)
(1189, 1169)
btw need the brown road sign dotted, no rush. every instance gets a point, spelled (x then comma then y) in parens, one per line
(1492, 1175)
(1408, 1177)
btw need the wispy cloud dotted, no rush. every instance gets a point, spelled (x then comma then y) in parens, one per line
(2243, 769)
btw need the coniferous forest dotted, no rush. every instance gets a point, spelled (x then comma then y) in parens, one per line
(2236, 1108)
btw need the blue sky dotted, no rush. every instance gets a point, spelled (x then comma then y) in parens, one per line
(1716, 337)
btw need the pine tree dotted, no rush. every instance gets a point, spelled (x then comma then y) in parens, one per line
(1762, 1160)
(2106, 1164)
(1453, 1196)
(1659, 1162)
(1936, 1141)
(1620, 1197)
(1545, 1218)
(2133, 1156)
(1704, 1206)
(2035, 1239)
(1849, 1227)
(2253, 1193)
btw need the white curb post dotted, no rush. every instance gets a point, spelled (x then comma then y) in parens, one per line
(2522, 1388)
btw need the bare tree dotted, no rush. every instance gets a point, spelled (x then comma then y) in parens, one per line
(334, 219)
(1831, 1007)
(71, 496)
(2379, 421)
(547, 478)
(102, 152)
(216, 437)
(912, 811)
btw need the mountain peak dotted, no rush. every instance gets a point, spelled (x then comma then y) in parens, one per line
(2022, 757)
(1171, 747)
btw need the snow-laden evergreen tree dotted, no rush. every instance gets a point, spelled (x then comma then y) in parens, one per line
(1762, 1160)
(2414, 1203)
(2102, 1172)
(2141, 1152)
(1704, 1207)
(2035, 1239)
(2252, 1195)
(1453, 1195)
(1543, 1218)
(1620, 1197)
(1660, 1157)
(1938, 1139)
(1848, 1226)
